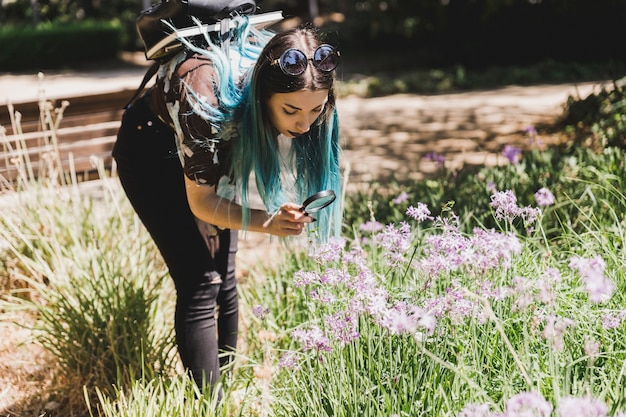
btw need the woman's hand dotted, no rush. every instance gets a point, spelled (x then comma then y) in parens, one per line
(287, 221)
(210, 235)
(209, 207)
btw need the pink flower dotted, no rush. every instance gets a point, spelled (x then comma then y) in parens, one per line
(401, 198)
(529, 404)
(554, 331)
(419, 213)
(512, 153)
(582, 407)
(544, 197)
(591, 271)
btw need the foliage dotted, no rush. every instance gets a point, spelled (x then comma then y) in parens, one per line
(99, 315)
(572, 176)
(598, 121)
(394, 75)
(97, 310)
(58, 45)
(471, 34)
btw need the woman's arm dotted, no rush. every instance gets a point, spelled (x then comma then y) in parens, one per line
(211, 208)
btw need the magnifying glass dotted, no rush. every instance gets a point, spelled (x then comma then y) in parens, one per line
(318, 201)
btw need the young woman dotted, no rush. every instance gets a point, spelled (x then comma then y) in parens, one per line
(221, 120)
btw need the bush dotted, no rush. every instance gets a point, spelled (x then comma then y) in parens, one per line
(53, 46)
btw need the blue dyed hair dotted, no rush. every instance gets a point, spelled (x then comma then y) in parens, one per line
(244, 116)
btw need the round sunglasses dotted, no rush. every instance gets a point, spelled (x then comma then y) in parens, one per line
(294, 61)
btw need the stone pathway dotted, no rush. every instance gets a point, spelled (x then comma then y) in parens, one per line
(388, 137)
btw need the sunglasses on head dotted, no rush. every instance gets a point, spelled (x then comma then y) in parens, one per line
(294, 61)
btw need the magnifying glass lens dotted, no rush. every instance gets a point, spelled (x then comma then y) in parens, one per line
(318, 201)
(319, 204)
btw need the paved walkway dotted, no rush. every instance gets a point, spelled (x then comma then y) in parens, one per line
(381, 136)
(389, 136)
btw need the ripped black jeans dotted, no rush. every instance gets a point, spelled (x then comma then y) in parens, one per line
(152, 177)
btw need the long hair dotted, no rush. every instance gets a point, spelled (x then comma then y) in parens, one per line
(243, 113)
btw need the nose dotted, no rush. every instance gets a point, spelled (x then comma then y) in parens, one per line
(303, 125)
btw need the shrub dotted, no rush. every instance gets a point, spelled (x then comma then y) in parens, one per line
(53, 46)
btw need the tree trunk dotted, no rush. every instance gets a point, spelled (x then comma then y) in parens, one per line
(313, 9)
(35, 6)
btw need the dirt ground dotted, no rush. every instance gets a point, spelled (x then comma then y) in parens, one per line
(382, 138)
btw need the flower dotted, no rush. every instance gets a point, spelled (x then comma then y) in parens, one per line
(288, 360)
(437, 158)
(419, 213)
(507, 209)
(581, 407)
(544, 197)
(512, 153)
(599, 287)
(259, 311)
(328, 252)
(554, 331)
(529, 404)
(401, 198)
(371, 226)
(395, 243)
(505, 204)
(313, 338)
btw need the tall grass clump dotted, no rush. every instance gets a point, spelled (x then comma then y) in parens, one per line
(99, 311)
(76, 257)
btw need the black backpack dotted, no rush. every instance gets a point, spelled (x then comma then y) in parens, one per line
(161, 43)
(157, 36)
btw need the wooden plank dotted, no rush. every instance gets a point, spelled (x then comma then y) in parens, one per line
(106, 105)
(87, 130)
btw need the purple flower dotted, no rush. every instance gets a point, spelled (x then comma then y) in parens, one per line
(304, 278)
(328, 252)
(343, 326)
(544, 197)
(532, 135)
(529, 404)
(401, 198)
(312, 339)
(505, 204)
(395, 243)
(419, 213)
(530, 131)
(288, 360)
(613, 320)
(554, 331)
(599, 288)
(582, 407)
(371, 226)
(259, 311)
(512, 153)
(437, 158)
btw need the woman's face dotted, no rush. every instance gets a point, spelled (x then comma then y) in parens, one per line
(292, 114)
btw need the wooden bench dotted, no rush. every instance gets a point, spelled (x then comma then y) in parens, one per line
(85, 132)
